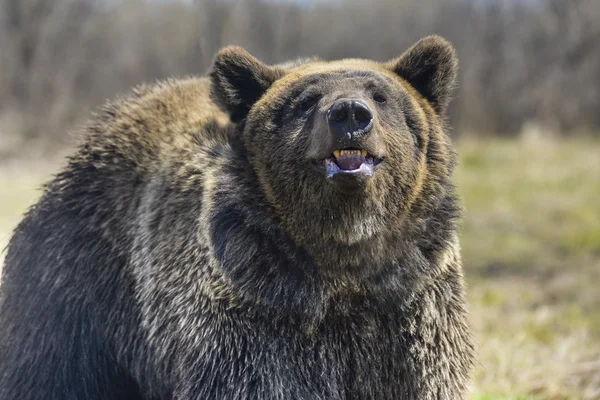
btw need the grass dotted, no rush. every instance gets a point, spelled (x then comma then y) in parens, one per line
(531, 249)
(18, 191)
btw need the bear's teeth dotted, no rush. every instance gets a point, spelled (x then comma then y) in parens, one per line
(355, 153)
(338, 153)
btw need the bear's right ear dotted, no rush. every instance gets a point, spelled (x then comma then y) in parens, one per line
(430, 66)
(238, 80)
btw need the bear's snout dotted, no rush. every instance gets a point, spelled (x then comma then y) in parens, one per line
(349, 120)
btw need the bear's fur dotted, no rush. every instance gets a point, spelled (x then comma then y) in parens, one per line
(190, 250)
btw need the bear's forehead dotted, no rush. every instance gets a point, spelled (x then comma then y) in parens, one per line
(316, 72)
(349, 67)
(345, 64)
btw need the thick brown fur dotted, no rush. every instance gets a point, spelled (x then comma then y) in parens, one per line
(190, 251)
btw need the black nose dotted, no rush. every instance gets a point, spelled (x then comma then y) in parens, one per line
(349, 119)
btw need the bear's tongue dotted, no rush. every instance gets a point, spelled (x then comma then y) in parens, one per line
(349, 160)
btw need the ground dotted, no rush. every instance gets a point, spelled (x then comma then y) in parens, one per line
(531, 249)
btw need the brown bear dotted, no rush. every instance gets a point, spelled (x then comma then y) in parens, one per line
(267, 232)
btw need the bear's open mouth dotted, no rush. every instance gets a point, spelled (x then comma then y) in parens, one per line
(350, 161)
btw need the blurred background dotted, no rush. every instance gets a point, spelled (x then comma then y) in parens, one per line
(526, 124)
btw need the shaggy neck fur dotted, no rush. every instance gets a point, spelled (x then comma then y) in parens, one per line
(303, 277)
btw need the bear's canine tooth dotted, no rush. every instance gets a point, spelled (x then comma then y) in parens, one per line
(336, 153)
(364, 153)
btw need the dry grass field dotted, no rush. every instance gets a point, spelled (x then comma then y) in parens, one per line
(531, 248)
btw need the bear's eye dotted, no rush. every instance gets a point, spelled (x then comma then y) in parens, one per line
(379, 98)
(308, 102)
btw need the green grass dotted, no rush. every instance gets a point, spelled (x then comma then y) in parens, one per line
(18, 191)
(531, 249)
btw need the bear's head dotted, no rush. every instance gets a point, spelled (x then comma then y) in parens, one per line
(344, 150)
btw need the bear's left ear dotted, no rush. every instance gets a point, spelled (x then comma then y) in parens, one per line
(430, 66)
(238, 80)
